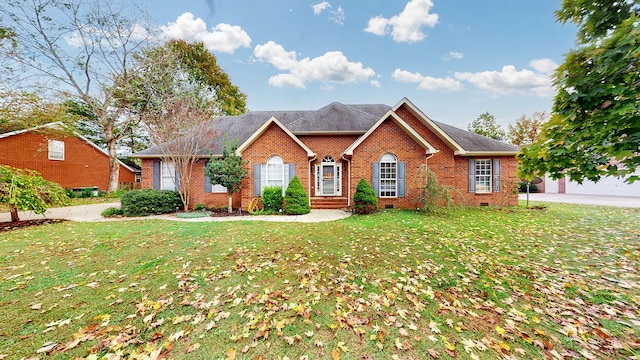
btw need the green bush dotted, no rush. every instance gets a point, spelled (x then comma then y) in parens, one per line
(365, 200)
(272, 198)
(296, 201)
(523, 187)
(200, 207)
(112, 211)
(150, 202)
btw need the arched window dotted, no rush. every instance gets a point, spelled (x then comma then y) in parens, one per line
(275, 173)
(388, 176)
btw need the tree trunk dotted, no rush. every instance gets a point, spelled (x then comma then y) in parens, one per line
(114, 166)
(14, 213)
(230, 196)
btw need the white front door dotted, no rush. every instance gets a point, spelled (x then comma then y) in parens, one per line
(328, 179)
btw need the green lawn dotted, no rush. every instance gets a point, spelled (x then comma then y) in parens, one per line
(470, 283)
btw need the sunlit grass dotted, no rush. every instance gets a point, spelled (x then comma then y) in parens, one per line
(471, 282)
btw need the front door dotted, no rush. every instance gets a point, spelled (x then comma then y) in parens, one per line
(328, 179)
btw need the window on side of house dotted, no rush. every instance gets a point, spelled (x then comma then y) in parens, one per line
(56, 150)
(388, 176)
(483, 176)
(167, 176)
(275, 173)
(218, 189)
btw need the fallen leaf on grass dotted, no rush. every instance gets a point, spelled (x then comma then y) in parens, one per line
(335, 354)
(231, 354)
(193, 347)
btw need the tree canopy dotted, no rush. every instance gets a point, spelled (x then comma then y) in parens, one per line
(75, 49)
(594, 130)
(526, 129)
(228, 171)
(486, 125)
(27, 190)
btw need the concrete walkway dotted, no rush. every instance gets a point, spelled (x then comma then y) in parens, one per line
(92, 213)
(602, 200)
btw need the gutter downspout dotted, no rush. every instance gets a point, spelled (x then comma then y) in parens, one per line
(348, 179)
(309, 177)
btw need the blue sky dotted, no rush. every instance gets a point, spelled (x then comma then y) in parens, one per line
(454, 59)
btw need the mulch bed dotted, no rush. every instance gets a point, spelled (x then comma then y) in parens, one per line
(8, 226)
(225, 212)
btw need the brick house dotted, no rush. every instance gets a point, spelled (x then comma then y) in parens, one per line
(61, 156)
(332, 148)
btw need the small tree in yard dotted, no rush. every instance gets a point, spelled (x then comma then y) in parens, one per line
(27, 190)
(227, 171)
(365, 199)
(296, 201)
(434, 195)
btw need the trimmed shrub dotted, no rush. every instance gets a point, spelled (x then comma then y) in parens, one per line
(272, 198)
(200, 207)
(112, 211)
(150, 202)
(365, 200)
(296, 201)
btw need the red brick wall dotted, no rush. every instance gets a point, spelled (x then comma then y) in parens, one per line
(328, 145)
(198, 195)
(274, 141)
(83, 164)
(389, 138)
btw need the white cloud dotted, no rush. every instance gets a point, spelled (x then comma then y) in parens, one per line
(375, 83)
(406, 26)
(427, 82)
(337, 16)
(511, 81)
(222, 37)
(332, 67)
(320, 7)
(453, 55)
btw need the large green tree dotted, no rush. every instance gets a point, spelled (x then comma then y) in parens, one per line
(80, 49)
(179, 88)
(594, 130)
(486, 125)
(22, 110)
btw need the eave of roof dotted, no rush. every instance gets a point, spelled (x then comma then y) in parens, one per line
(62, 126)
(263, 128)
(429, 149)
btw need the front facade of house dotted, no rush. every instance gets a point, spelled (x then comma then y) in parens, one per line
(62, 157)
(332, 148)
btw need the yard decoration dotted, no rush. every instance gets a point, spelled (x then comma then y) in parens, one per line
(24, 189)
(296, 201)
(365, 200)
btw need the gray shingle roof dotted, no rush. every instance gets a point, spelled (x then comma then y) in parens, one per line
(333, 118)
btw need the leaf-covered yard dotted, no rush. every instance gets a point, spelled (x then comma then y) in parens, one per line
(477, 283)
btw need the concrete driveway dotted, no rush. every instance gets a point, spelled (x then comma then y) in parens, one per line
(602, 200)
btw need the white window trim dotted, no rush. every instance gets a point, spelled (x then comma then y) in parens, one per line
(393, 191)
(490, 176)
(56, 150)
(284, 173)
(167, 166)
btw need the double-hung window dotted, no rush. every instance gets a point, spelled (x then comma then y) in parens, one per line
(274, 173)
(388, 176)
(167, 177)
(483, 176)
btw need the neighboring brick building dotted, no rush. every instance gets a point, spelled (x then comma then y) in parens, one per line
(332, 148)
(60, 156)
